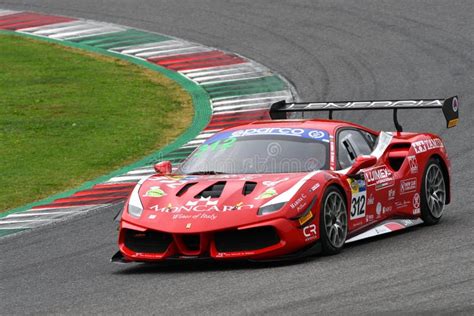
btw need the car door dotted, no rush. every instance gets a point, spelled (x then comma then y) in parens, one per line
(351, 143)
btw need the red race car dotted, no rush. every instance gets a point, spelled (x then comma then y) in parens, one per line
(281, 189)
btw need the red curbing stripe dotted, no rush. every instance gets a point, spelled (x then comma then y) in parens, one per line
(114, 185)
(202, 59)
(229, 120)
(95, 197)
(168, 60)
(17, 17)
(101, 191)
(209, 59)
(26, 19)
(33, 24)
(208, 64)
(77, 203)
(100, 195)
(9, 18)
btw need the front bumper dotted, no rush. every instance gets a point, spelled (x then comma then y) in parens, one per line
(278, 238)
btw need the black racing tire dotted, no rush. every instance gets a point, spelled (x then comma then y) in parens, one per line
(328, 244)
(432, 201)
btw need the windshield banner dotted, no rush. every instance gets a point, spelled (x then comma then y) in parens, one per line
(315, 134)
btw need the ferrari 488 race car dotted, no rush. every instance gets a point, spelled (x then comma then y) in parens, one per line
(279, 189)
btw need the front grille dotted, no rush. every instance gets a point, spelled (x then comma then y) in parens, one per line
(148, 241)
(247, 239)
(191, 241)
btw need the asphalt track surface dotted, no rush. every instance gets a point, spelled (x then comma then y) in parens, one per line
(329, 50)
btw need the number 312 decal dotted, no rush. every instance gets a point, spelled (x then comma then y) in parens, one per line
(358, 207)
(359, 198)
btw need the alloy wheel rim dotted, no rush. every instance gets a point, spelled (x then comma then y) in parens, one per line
(335, 219)
(435, 190)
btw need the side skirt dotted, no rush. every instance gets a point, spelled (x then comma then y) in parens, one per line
(385, 227)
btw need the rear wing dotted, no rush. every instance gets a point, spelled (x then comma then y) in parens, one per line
(449, 106)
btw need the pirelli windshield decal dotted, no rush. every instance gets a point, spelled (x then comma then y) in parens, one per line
(315, 134)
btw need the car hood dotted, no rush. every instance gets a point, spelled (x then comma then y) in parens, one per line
(200, 203)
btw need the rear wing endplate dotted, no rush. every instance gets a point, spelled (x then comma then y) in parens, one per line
(450, 107)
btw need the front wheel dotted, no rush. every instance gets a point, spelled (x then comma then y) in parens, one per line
(433, 193)
(333, 221)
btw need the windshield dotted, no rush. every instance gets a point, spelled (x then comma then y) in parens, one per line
(263, 150)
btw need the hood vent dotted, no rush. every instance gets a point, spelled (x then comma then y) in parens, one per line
(213, 191)
(185, 188)
(248, 187)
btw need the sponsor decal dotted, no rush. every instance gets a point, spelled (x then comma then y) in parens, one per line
(274, 183)
(234, 254)
(358, 199)
(332, 153)
(181, 216)
(304, 219)
(366, 104)
(283, 131)
(391, 194)
(424, 145)
(249, 177)
(188, 225)
(369, 218)
(356, 185)
(407, 185)
(217, 145)
(378, 209)
(314, 187)
(370, 200)
(155, 192)
(386, 209)
(309, 232)
(455, 104)
(298, 201)
(202, 205)
(379, 177)
(207, 201)
(317, 134)
(401, 204)
(173, 181)
(267, 194)
(152, 216)
(413, 164)
(416, 204)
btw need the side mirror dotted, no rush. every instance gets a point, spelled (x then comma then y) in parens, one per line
(361, 162)
(163, 167)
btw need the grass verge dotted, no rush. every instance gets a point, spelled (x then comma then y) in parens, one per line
(68, 116)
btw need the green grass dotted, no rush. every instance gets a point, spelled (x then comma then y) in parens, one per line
(68, 116)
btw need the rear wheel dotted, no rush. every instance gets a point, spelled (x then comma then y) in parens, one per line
(433, 193)
(333, 221)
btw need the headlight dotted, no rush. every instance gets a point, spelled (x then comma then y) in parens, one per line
(135, 207)
(267, 209)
